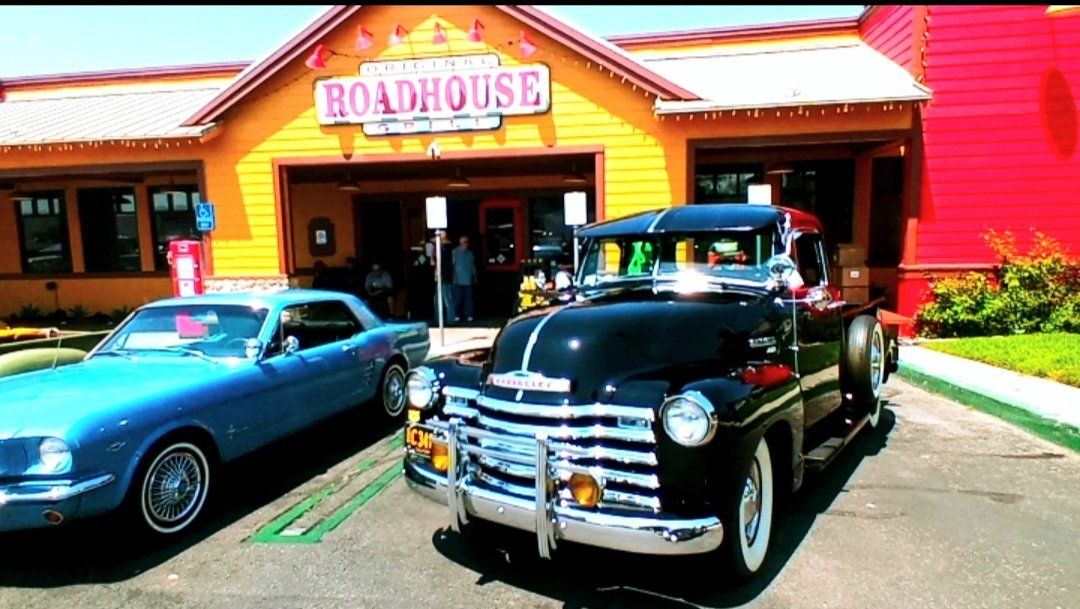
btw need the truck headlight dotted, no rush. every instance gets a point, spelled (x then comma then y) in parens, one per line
(55, 456)
(420, 388)
(689, 418)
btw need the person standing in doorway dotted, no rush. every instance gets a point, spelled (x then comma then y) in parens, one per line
(447, 275)
(380, 290)
(464, 279)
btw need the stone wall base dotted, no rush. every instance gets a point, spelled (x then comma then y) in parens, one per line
(267, 283)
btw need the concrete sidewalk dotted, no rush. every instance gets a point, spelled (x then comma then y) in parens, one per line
(1047, 399)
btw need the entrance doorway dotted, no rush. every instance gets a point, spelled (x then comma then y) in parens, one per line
(379, 240)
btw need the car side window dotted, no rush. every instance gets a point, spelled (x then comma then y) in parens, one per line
(315, 324)
(810, 258)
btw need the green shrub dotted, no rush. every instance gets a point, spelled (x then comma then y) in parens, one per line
(30, 313)
(1037, 291)
(121, 313)
(79, 313)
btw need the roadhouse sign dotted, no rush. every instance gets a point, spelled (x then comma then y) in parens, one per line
(432, 95)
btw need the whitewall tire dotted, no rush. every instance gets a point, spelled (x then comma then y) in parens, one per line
(751, 519)
(173, 488)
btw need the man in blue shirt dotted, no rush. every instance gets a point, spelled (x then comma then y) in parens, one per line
(464, 279)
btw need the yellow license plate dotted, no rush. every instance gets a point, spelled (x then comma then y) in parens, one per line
(419, 439)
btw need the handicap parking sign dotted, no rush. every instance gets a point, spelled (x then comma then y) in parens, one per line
(204, 217)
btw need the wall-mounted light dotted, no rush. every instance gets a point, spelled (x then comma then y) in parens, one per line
(348, 184)
(780, 169)
(458, 181)
(575, 177)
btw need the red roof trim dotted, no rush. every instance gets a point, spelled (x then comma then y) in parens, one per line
(729, 34)
(531, 17)
(230, 68)
(266, 69)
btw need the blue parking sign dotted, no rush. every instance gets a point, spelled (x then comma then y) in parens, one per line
(204, 217)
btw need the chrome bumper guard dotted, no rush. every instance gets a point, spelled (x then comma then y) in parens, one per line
(549, 519)
(50, 491)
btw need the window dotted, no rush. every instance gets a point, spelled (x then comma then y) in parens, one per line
(825, 189)
(174, 218)
(43, 233)
(315, 324)
(886, 209)
(211, 330)
(810, 258)
(500, 236)
(110, 229)
(726, 183)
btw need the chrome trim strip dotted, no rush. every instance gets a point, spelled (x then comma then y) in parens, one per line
(50, 491)
(545, 530)
(511, 465)
(453, 410)
(566, 411)
(567, 432)
(453, 491)
(527, 355)
(523, 446)
(458, 392)
(656, 220)
(642, 534)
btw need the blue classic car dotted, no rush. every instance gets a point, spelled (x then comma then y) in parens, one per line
(182, 386)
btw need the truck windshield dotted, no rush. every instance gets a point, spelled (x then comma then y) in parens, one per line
(197, 329)
(737, 256)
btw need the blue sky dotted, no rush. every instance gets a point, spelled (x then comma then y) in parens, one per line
(50, 40)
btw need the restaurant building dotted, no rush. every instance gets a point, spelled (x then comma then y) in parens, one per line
(909, 130)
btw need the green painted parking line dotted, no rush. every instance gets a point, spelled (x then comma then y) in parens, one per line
(277, 531)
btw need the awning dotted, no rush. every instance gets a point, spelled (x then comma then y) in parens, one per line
(770, 77)
(91, 114)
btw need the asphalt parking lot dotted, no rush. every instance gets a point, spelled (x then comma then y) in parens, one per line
(947, 507)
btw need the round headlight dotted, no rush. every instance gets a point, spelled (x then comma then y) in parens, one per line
(689, 419)
(420, 387)
(55, 455)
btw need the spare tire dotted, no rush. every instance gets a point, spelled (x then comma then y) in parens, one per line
(28, 360)
(865, 361)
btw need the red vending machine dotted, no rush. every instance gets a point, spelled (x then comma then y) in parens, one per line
(185, 264)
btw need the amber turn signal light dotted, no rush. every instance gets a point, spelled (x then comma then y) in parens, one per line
(440, 456)
(585, 489)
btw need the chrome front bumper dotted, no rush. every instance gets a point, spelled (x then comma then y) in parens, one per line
(549, 518)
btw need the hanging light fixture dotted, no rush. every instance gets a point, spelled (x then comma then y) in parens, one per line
(440, 35)
(457, 181)
(317, 59)
(398, 35)
(526, 46)
(348, 184)
(364, 39)
(780, 169)
(575, 177)
(476, 32)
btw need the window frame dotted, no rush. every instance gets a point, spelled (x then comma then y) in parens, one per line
(819, 252)
(192, 191)
(274, 346)
(65, 233)
(737, 169)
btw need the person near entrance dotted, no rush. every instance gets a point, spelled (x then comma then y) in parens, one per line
(464, 279)
(380, 289)
(447, 275)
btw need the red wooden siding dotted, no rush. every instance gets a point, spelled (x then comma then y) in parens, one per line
(890, 31)
(1001, 133)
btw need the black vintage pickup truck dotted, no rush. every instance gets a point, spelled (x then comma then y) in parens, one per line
(702, 362)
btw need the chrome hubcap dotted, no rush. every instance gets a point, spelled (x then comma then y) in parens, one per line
(877, 361)
(751, 503)
(174, 487)
(394, 391)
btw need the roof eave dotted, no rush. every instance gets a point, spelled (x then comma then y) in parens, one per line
(679, 107)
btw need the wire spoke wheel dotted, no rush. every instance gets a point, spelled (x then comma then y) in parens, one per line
(175, 488)
(393, 391)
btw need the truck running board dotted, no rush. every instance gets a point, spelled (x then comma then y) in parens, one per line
(825, 452)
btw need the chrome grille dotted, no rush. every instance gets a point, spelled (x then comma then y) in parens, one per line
(13, 460)
(592, 439)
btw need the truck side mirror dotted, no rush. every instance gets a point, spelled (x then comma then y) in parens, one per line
(781, 268)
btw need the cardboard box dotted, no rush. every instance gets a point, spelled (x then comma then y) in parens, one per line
(850, 254)
(856, 295)
(854, 276)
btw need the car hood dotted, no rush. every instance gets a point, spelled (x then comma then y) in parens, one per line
(57, 398)
(598, 344)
